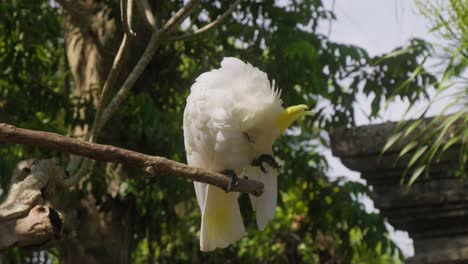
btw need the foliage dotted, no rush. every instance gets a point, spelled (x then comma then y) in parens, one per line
(427, 142)
(33, 90)
(317, 218)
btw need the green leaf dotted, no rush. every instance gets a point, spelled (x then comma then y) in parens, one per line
(445, 126)
(414, 125)
(394, 53)
(391, 141)
(408, 148)
(450, 143)
(416, 174)
(416, 155)
(301, 49)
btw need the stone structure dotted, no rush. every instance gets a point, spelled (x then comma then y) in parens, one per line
(434, 210)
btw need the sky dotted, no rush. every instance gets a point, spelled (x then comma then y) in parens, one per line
(378, 26)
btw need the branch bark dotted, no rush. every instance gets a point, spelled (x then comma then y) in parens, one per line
(153, 165)
(145, 8)
(40, 227)
(153, 45)
(208, 26)
(126, 13)
(26, 217)
(179, 17)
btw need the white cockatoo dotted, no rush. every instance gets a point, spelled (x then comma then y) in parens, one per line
(232, 118)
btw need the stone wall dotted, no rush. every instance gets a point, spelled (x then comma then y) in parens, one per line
(434, 210)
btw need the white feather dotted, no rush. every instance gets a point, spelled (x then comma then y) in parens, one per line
(222, 222)
(223, 104)
(264, 205)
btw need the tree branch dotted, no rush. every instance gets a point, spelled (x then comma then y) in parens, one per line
(39, 228)
(153, 45)
(26, 217)
(145, 9)
(153, 165)
(126, 13)
(117, 65)
(179, 17)
(107, 112)
(208, 26)
(123, 92)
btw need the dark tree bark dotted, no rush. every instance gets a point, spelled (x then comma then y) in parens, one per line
(92, 234)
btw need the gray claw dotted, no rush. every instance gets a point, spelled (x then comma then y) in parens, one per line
(233, 179)
(269, 159)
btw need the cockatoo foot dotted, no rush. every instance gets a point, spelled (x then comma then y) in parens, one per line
(233, 179)
(267, 158)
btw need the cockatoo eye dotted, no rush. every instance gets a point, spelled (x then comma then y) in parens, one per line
(250, 139)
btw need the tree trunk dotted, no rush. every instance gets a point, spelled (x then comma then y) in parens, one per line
(98, 236)
(93, 33)
(97, 229)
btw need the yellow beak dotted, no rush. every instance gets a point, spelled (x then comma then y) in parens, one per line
(291, 114)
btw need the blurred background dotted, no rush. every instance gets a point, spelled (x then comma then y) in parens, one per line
(353, 62)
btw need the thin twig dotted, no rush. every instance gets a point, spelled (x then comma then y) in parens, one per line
(208, 26)
(145, 59)
(92, 134)
(129, 16)
(119, 61)
(330, 21)
(179, 17)
(114, 73)
(154, 165)
(107, 112)
(124, 91)
(126, 8)
(124, 20)
(145, 8)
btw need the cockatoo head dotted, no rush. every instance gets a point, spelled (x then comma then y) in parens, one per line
(242, 93)
(259, 106)
(263, 129)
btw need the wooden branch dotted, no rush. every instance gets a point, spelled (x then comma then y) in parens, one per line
(179, 17)
(153, 164)
(27, 219)
(116, 69)
(40, 227)
(208, 26)
(104, 114)
(129, 17)
(145, 59)
(119, 61)
(124, 90)
(126, 14)
(145, 8)
(126, 9)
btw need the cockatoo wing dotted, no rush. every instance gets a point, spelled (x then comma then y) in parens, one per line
(265, 204)
(196, 136)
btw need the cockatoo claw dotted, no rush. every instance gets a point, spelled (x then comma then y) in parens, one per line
(269, 159)
(233, 179)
